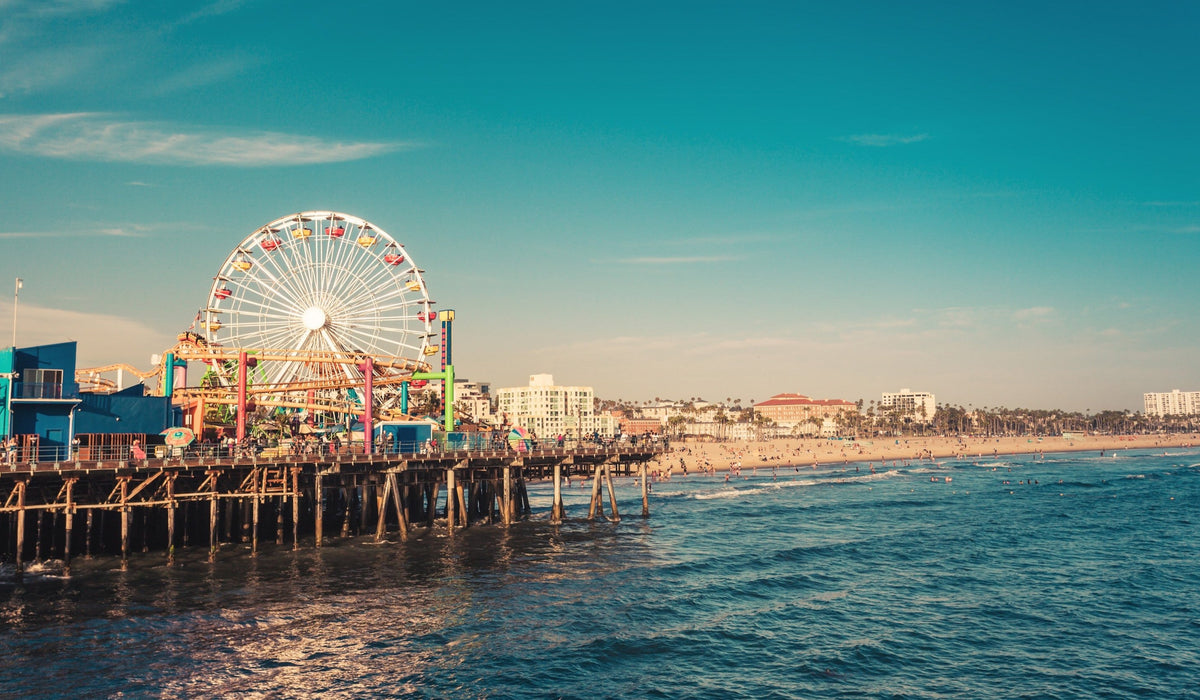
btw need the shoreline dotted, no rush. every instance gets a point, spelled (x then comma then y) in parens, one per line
(700, 457)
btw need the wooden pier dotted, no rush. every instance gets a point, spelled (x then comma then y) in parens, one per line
(57, 510)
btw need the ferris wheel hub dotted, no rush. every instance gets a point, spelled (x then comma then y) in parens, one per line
(314, 318)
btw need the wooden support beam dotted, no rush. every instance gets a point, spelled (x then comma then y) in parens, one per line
(433, 499)
(348, 502)
(283, 491)
(451, 488)
(364, 505)
(401, 515)
(597, 501)
(246, 518)
(127, 495)
(556, 510)
(123, 487)
(491, 500)
(523, 493)
(295, 508)
(645, 493)
(171, 519)
(256, 501)
(213, 520)
(319, 509)
(506, 502)
(473, 498)
(612, 493)
(462, 505)
(381, 521)
(68, 486)
(20, 492)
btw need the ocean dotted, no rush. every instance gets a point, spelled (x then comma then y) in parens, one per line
(1072, 576)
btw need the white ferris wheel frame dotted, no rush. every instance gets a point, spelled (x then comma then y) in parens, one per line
(320, 281)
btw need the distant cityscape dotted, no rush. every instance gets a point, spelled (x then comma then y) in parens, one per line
(549, 409)
(49, 412)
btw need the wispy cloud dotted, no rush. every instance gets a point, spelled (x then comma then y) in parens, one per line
(1187, 229)
(885, 139)
(213, 9)
(1194, 203)
(678, 260)
(1033, 313)
(22, 19)
(39, 68)
(102, 137)
(727, 239)
(126, 230)
(201, 74)
(51, 8)
(131, 232)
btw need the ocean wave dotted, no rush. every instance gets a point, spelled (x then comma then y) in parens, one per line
(889, 474)
(753, 489)
(939, 469)
(34, 571)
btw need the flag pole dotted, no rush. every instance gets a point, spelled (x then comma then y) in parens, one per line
(16, 295)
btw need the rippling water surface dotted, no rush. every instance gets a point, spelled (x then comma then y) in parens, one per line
(957, 579)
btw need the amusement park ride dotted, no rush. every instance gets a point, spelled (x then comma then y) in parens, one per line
(317, 311)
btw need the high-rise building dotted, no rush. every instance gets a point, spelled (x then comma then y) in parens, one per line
(549, 410)
(1172, 403)
(917, 404)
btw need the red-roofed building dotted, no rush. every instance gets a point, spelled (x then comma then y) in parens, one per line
(788, 410)
(639, 426)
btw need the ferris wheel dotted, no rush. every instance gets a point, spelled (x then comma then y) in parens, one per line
(319, 282)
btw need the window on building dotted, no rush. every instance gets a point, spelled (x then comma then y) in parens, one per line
(42, 384)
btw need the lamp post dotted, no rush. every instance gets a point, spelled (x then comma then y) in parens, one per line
(8, 417)
(16, 294)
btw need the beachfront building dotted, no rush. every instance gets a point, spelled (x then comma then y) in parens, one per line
(474, 399)
(48, 416)
(548, 409)
(717, 430)
(914, 404)
(804, 414)
(639, 426)
(1172, 403)
(662, 411)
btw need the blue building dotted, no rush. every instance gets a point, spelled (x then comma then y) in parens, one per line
(44, 409)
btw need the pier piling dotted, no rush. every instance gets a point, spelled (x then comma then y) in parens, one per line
(371, 493)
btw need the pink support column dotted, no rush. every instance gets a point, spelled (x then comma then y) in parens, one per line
(368, 368)
(241, 399)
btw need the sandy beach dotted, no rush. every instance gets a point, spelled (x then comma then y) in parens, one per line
(819, 452)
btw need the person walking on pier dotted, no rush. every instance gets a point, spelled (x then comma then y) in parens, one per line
(136, 450)
(10, 450)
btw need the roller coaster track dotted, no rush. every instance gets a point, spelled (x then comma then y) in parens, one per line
(192, 348)
(90, 378)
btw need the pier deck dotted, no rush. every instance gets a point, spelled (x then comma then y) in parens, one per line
(162, 502)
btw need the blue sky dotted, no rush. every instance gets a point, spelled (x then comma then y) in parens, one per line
(995, 202)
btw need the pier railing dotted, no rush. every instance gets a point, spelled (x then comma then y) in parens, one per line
(319, 448)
